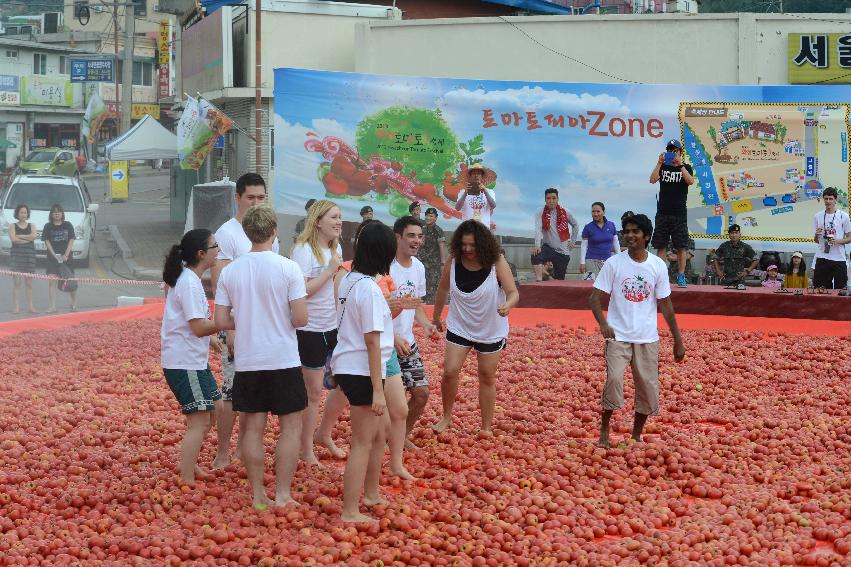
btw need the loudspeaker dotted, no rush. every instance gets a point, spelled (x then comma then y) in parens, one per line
(212, 204)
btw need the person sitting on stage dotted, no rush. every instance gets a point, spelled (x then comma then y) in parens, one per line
(771, 279)
(796, 273)
(734, 258)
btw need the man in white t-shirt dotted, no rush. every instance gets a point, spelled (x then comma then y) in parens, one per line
(477, 202)
(636, 283)
(233, 243)
(408, 275)
(262, 295)
(832, 233)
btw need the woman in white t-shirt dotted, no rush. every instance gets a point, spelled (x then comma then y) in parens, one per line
(359, 364)
(477, 279)
(185, 342)
(318, 253)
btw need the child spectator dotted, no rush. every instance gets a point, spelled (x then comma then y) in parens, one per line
(772, 279)
(796, 274)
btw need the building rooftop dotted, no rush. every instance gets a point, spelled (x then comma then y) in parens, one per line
(22, 43)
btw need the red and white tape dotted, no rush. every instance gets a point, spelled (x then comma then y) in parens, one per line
(103, 281)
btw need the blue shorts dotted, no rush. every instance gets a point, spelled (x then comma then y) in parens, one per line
(195, 390)
(392, 365)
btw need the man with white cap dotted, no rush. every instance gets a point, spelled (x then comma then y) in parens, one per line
(674, 178)
(477, 202)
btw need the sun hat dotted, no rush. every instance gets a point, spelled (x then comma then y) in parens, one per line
(771, 267)
(488, 175)
(797, 255)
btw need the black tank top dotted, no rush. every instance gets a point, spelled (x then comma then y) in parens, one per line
(19, 231)
(469, 280)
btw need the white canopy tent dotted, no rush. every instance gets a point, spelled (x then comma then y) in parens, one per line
(148, 139)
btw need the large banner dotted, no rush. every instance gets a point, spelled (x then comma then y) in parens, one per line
(761, 155)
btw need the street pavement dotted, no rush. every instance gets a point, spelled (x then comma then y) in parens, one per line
(143, 221)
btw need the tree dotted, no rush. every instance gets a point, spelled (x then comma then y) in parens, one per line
(713, 133)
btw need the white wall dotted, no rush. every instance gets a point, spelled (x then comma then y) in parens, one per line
(653, 48)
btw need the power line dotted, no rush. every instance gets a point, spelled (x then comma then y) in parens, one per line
(566, 56)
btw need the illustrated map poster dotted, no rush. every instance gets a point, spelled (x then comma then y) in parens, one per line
(761, 154)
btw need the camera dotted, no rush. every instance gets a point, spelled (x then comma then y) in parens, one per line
(827, 245)
(670, 157)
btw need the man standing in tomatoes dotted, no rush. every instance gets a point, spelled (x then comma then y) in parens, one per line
(554, 226)
(477, 202)
(636, 282)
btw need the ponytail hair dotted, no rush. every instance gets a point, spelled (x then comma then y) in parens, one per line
(192, 242)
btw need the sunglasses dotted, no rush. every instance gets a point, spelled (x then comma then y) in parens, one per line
(211, 247)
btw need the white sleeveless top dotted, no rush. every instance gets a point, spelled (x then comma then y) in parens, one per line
(474, 315)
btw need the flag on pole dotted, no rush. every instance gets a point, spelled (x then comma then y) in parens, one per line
(96, 113)
(200, 126)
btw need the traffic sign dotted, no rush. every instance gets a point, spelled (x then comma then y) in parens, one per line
(119, 182)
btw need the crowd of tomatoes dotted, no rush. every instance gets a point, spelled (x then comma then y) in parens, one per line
(749, 463)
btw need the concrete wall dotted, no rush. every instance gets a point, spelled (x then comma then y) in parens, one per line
(653, 48)
(101, 18)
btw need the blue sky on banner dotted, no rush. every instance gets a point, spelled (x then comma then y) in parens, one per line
(584, 167)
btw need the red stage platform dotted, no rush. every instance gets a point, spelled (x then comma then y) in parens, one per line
(703, 300)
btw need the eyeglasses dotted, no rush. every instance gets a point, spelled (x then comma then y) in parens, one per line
(211, 247)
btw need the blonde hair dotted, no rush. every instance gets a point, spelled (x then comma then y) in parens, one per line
(311, 236)
(259, 223)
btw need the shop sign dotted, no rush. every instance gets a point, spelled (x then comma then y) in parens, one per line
(92, 70)
(9, 90)
(164, 42)
(819, 58)
(38, 142)
(164, 83)
(48, 91)
(139, 110)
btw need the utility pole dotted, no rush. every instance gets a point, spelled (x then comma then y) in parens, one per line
(258, 99)
(115, 44)
(127, 65)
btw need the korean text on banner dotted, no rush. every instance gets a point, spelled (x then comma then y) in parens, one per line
(386, 141)
(46, 91)
(164, 42)
(199, 127)
(819, 58)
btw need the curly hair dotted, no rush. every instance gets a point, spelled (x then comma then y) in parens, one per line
(487, 247)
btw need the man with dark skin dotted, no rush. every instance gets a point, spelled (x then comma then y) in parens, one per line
(636, 283)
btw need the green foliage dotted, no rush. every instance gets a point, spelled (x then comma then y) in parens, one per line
(790, 6)
(472, 149)
(373, 137)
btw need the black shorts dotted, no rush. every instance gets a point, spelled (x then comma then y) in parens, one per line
(830, 274)
(278, 392)
(484, 348)
(315, 346)
(358, 389)
(673, 228)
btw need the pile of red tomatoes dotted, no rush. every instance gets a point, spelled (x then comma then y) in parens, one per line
(749, 463)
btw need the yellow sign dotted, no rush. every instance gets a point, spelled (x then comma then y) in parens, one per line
(742, 206)
(119, 180)
(164, 42)
(819, 58)
(139, 110)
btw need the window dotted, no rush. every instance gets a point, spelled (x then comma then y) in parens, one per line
(78, 5)
(39, 64)
(141, 7)
(63, 66)
(143, 73)
(11, 54)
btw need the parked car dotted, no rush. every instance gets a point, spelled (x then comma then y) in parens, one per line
(49, 161)
(40, 192)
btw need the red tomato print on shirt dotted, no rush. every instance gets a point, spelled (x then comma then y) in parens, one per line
(635, 289)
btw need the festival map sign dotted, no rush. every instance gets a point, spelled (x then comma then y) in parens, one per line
(760, 154)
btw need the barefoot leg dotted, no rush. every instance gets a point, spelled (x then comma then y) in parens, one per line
(364, 426)
(313, 383)
(488, 364)
(638, 426)
(371, 495)
(397, 407)
(604, 429)
(335, 405)
(197, 427)
(286, 457)
(255, 425)
(453, 360)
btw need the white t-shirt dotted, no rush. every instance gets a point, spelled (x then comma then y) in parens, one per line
(180, 348)
(321, 311)
(836, 225)
(233, 242)
(366, 310)
(633, 288)
(259, 287)
(409, 281)
(476, 207)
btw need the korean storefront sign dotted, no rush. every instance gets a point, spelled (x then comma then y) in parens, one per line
(9, 90)
(820, 58)
(48, 91)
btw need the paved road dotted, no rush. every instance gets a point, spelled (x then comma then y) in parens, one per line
(143, 221)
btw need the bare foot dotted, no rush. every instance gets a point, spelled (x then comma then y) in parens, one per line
(51, 310)
(410, 445)
(442, 425)
(485, 433)
(328, 443)
(371, 501)
(359, 518)
(189, 481)
(220, 463)
(311, 460)
(604, 443)
(34, 310)
(402, 473)
(201, 473)
(262, 503)
(283, 500)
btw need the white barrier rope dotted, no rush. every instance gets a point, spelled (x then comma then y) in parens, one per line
(104, 281)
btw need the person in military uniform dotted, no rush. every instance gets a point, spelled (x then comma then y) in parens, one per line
(734, 259)
(673, 266)
(432, 253)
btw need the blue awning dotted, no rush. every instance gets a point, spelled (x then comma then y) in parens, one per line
(540, 6)
(212, 5)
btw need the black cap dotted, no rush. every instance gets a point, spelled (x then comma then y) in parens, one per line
(413, 206)
(673, 143)
(309, 204)
(627, 215)
(364, 210)
(734, 228)
(431, 211)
